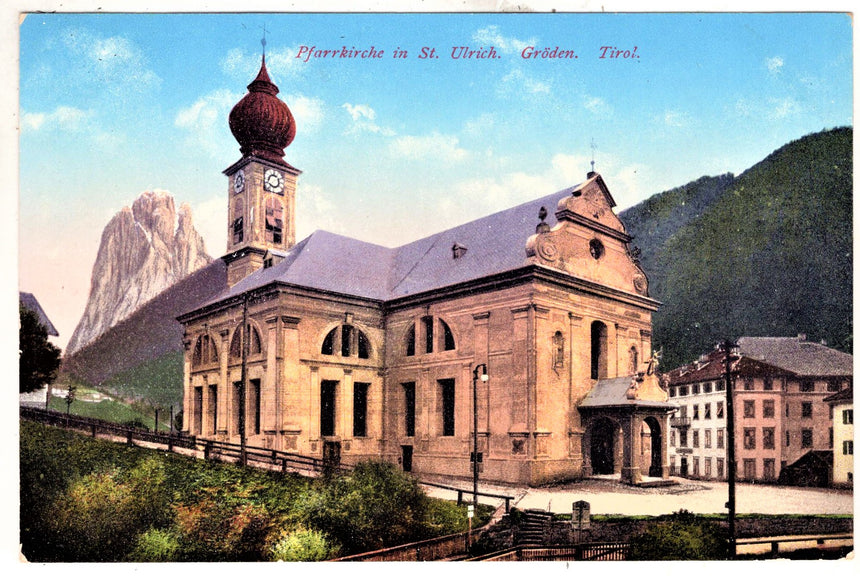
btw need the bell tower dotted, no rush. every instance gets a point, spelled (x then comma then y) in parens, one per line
(261, 187)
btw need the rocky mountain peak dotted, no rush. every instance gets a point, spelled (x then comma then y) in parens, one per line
(144, 249)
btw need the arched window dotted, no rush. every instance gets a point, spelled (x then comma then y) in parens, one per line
(558, 349)
(448, 335)
(236, 343)
(204, 351)
(427, 322)
(352, 342)
(599, 351)
(238, 221)
(634, 360)
(328, 343)
(274, 221)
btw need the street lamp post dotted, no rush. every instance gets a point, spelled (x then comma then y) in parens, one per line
(479, 372)
(729, 350)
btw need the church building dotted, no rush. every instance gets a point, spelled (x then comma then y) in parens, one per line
(529, 329)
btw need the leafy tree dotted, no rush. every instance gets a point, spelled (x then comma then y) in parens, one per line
(39, 360)
(681, 536)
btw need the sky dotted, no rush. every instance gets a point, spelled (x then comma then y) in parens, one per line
(393, 149)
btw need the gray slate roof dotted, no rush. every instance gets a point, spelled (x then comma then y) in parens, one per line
(335, 263)
(797, 355)
(612, 392)
(29, 301)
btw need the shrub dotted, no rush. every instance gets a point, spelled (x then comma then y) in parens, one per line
(220, 530)
(303, 545)
(374, 506)
(681, 536)
(155, 545)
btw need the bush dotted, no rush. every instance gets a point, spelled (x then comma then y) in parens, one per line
(220, 530)
(374, 506)
(155, 545)
(303, 545)
(681, 536)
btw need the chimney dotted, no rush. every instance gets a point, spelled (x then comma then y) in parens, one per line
(801, 337)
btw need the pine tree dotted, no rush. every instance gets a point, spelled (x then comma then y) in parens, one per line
(39, 360)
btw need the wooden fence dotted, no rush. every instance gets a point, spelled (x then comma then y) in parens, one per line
(593, 551)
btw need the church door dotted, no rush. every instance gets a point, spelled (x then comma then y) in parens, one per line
(603, 447)
(656, 468)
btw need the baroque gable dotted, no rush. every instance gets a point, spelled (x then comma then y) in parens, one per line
(589, 241)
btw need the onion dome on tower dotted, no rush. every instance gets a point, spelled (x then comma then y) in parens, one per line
(261, 122)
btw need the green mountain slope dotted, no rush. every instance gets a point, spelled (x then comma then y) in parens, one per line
(770, 255)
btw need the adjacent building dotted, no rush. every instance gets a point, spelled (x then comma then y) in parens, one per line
(781, 417)
(842, 407)
(340, 349)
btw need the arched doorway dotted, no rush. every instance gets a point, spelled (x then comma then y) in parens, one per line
(603, 434)
(656, 467)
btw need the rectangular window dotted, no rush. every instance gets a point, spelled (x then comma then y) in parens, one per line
(707, 438)
(749, 438)
(768, 383)
(848, 447)
(721, 467)
(359, 409)
(672, 392)
(695, 412)
(749, 408)
(721, 438)
(682, 438)
(769, 469)
(213, 408)
(749, 469)
(328, 394)
(707, 467)
(672, 438)
(721, 386)
(254, 409)
(682, 391)
(695, 389)
(447, 389)
(768, 436)
(346, 340)
(695, 438)
(409, 407)
(787, 411)
(695, 465)
(720, 412)
(749, 384)
(806, 438)
(707, 387)
(768, 409)
(806, 410)
(807, 386)
(708, 411)
(848, 416)
(197, 426)
(428, 333)
(830, 438)
(833, 386)
(787, 438)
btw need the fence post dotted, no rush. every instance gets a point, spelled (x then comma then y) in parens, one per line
(128, 439)
(206, 449)
(283, 465)
(94, 430)
(459, 497)
(170, 442)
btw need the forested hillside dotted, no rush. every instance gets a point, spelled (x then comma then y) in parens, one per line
(766, 253)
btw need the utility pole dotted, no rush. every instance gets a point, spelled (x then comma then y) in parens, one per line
(728, 349)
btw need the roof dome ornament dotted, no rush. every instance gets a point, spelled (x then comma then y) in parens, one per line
(261, 123)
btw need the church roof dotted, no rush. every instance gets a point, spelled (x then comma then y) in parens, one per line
(343, 265)
(612, 393)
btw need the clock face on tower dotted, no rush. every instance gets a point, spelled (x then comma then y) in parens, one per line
(239, 182)
(273, 181)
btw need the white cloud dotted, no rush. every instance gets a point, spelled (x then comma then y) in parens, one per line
(781, 108)
(203, 120)
(479, 126)
(491, 36)
(675, 119)
(364, 120)
(597, 106)
(517, 81)
(114, 63)
(64, 118)
(210, 220)
(307, 111)
(774, 64)
(444, 147)
(318, 211)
